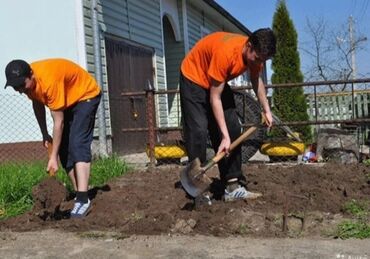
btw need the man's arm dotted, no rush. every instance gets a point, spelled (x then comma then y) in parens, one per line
(260, 90)
(39, 111)
(218, 111)
(58, 118)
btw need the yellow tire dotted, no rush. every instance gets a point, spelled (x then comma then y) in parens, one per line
(168, 152)
(288, 148)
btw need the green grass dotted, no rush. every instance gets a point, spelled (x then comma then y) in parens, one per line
(366, 162)
(353, 229)
(358, 227)
(17, 180)
(357, 208)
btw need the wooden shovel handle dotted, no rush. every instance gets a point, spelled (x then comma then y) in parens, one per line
(50, 149)
(235, 143)
(239, 140)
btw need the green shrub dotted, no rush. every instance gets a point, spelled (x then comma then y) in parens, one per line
(289, 104)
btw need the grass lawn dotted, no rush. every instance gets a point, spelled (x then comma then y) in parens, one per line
(17, 180)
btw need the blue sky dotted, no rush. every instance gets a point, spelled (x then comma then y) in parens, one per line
(255, 14)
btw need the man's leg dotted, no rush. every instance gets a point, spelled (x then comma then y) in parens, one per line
(195, 120)
(80, 138)
(229, 167)
(64, 154)
(195, 113)
(82, 174)
(73, 178)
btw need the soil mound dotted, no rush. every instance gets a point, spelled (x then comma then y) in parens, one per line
(48, 196)
(304, 200)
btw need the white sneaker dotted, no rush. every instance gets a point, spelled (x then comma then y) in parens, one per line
(240, 193)
(80, 209)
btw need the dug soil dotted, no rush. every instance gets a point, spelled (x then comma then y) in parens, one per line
(298, 200)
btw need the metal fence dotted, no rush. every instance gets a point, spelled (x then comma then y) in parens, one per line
(338, 118)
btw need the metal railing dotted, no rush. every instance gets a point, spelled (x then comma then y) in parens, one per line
(347, 110)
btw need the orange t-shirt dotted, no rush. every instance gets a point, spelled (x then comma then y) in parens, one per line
(60, 83)
(217, 56)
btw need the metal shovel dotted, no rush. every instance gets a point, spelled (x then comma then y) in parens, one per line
(192, 176)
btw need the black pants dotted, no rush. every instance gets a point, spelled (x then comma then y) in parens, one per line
(198, 121)
(78, 133)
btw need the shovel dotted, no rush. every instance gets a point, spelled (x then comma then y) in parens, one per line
(192, 177)
(287, 130)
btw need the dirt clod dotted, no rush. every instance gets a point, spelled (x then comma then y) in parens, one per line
(48, 196)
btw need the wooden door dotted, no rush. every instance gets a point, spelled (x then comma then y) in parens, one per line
(129, 69)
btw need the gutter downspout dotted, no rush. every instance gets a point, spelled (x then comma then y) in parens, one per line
(185, 26)
(103, 151)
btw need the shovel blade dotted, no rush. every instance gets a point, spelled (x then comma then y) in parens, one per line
(193, 179)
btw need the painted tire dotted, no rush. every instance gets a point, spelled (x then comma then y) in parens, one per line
(249, 111)
(289, 148)
(168, 152)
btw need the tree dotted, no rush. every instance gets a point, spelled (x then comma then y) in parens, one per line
(331, 52)
(289, 104)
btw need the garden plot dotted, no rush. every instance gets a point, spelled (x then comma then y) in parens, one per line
(298, 200)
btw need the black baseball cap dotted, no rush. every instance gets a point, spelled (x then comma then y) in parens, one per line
(16, 73)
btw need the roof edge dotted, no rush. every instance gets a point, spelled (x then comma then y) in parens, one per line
(231, 18)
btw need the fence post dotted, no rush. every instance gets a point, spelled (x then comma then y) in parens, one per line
(150, 108)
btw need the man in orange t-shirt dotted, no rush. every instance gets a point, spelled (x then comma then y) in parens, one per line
(73, 96)
(207, 101)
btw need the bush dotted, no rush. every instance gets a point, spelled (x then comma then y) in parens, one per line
(288, 104)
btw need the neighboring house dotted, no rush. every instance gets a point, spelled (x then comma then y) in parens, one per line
(142, 44)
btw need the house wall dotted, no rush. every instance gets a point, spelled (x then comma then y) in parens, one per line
(174, 52)
(202, 17)
(33, 30)
(136, 21)
(141, 22)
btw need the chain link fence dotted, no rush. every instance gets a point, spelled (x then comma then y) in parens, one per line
(338, 119)
(20, 136)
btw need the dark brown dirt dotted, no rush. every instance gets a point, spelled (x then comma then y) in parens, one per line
(48, 196)
(304, 200)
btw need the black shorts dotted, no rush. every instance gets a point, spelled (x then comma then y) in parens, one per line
(78, 133)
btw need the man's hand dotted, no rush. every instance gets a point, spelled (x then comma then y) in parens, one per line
(224, 146)
(268, 119)
(47, 140)
(52, 166)
(259, 89)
